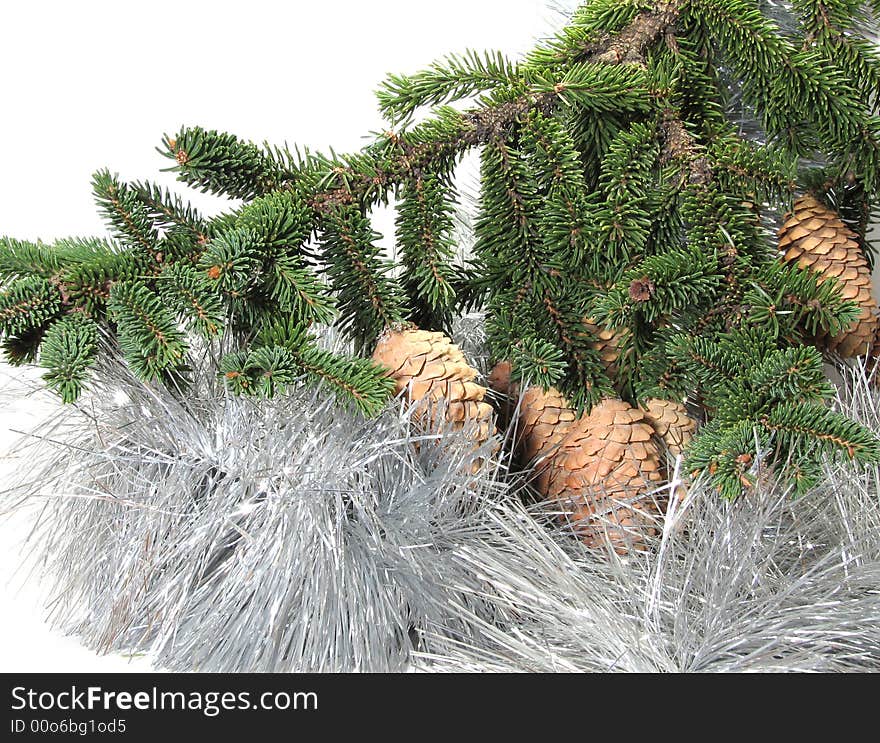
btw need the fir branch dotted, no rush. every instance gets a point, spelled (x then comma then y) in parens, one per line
(283, 353)
(623, 214)
(265, 371)
(681, 147)
(279, 220)
(536, 361)
(788, 300)
(68, 352)
(129, 219)
(20, 258)
(297, 290)
(426, 243)
(24, 348)
(453, 78)
(805, 100)
(596, 88)
(757, 172)
(661, 286)
(629, 45)
(188, 293)
(86, 284)
(432, 145)
(564, 217)
(720, 223)
(606, 31)
(147, 331)
(223, 164)
(834, 433)
(788, 375)
(28, 303)
(829, 26)
(708, 365)
(368, 299)
(729, 455)
(232, 261)
(585, 381)
(169, 210)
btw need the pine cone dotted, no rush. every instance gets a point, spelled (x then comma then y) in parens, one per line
(607, 344)
(438, 379)
(671, 423)
(815, 237)
(603, 475)
(544, 417)
(601, 468)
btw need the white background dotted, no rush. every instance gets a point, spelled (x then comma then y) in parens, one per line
(86, 84)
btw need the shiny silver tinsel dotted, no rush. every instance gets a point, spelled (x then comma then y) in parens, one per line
(768, 583)
(220, 533)
(226, 534)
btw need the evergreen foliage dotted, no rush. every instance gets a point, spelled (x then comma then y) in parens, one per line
(283, 352)
(633, 168)
(147, 330)
(68, 350)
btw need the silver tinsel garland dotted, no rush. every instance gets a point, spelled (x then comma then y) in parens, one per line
(225, 534)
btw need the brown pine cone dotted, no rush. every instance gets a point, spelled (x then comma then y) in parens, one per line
(815, 237)
(671, 423)
(437, 378)
(603, 476)
(599, 469)
(607, 344)
(544, 417)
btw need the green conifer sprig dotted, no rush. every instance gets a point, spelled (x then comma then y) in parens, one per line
(795, 423)
(127, 215)
(232, 261)
(506, 245)
(28, 303)
(279, 220)
(186, 291)
(19, 258)
(624, 211)
(564, 215)
(223, 164)
(23, 348)
(694, 83)
(596, 88)
(806, 101)
(425, 238)
(450, 79)
(68, 351)
(661, 286)
(561, 319)
(767, 404)
(169, 211)
(368, 298)
(588, 32)
(87, 284)
(759, 173)
(789, 301)
(537, 361)
(296, 290)
(829, 25)
(284, 353)
(147, 330)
